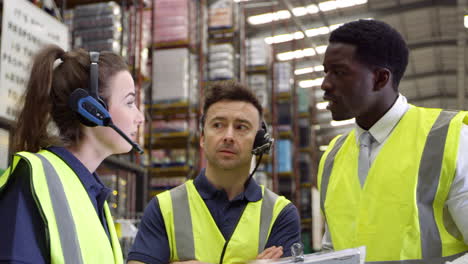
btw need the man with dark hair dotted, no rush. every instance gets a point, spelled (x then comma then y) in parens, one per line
(223, 216)
(398, 182)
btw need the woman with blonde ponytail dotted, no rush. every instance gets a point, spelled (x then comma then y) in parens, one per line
(53, 206)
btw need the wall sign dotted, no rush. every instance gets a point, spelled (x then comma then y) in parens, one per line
(25, 29)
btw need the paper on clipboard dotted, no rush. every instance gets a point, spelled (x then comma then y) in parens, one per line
(346, 256)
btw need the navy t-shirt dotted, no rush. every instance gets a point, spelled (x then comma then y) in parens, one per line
(151, 244)
(22, 231)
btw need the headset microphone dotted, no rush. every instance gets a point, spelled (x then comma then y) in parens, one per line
(135, 146)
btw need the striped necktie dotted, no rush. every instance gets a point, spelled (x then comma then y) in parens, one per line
(365, 141)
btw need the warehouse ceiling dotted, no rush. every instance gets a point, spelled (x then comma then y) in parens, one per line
(72, 3)
(432, 30)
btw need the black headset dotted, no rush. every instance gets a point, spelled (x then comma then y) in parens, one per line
(262, 143)
(90, 108)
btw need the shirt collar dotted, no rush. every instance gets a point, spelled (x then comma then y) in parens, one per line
(88, 179)
(251, 193)
(382, 128)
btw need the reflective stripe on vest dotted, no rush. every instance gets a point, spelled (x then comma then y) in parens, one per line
(65, 222)
(428, 181)
(183, 220)
(327, 168)
(427, 185)
(268, 204)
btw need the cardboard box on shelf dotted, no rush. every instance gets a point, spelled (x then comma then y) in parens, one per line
(258, 52)
(171, 74)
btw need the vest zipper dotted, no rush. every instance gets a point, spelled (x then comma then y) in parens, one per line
(221, 259)
(224, 251)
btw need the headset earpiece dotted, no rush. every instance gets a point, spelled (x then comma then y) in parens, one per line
(87, 104)
(90, 112)
(259, 138)
(263, 141)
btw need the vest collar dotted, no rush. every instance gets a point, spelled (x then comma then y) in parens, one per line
(89, 180)
(381, 130)
(252, 191)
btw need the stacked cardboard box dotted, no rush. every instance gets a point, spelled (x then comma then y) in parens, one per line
(174, 22)
(258, 52)
(221, 14)
(98, 27)
(221, 62)
(283, 77)
(171, 75)
(258, 83)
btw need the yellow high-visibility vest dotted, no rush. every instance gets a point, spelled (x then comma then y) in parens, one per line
(399, 212)
(194, 235)
(73, 229)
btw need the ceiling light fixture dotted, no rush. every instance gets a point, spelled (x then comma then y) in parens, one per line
(297, 54)
(311, 83)
(269, 17)
(342, 123)
(324, 6)
(301, 71)
(323, 147)
(321, 105)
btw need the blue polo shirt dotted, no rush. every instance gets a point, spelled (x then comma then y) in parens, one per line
(151, 244)
(22, 231)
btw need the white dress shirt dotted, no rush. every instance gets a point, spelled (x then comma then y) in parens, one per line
(457, 200)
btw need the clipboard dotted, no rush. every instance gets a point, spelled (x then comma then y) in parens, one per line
(346, 256)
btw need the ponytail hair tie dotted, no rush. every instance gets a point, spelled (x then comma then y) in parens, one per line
(59, 60)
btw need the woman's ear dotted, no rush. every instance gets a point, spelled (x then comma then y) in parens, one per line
(382, 78)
